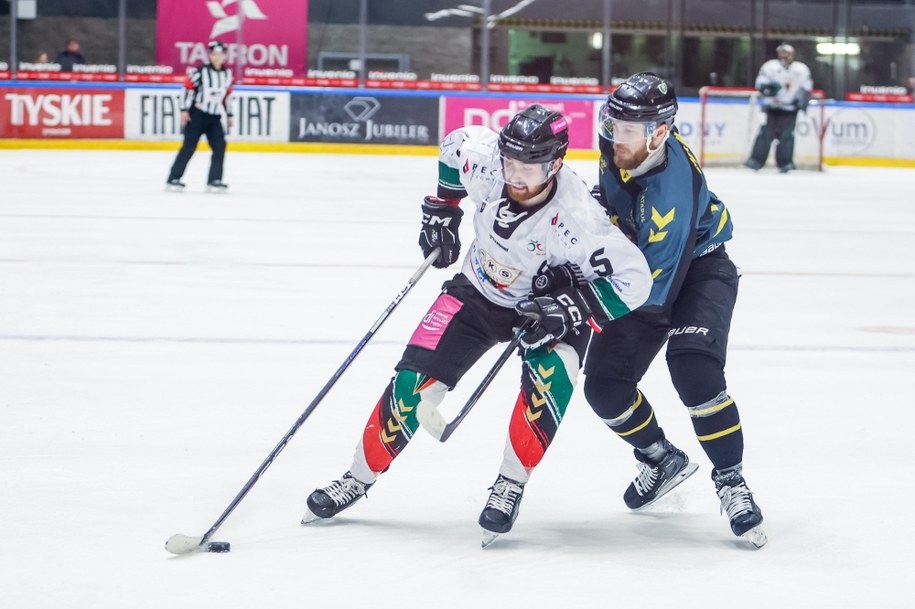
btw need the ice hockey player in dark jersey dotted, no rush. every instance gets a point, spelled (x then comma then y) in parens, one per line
(656, 193)
(207, 95)
(543, 250)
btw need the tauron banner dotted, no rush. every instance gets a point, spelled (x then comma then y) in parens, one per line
(61, 113)
(267, 37)
(361, 119)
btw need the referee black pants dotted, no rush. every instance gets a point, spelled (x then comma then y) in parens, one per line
(201, 124)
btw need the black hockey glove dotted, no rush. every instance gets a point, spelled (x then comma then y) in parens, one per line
(554, 278)
(803, 100)
(554, 316)
(441, 222)
(769, 89)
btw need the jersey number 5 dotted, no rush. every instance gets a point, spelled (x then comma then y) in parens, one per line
(600, 264)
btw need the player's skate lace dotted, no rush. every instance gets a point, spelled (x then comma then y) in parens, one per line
(504, 495)
(657, 477)
(735, 500)
(646, 479)
(501, 508)
(335, 497)
(345, 491)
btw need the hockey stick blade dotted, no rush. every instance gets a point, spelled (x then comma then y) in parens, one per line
(185, 544)
(431, 420)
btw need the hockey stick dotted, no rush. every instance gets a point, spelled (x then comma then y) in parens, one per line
(184, 544)
(433, 421)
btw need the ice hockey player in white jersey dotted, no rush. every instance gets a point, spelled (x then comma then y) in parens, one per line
(543, 250)
(785, 84)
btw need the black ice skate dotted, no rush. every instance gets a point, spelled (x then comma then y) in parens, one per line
(175, 185)
(334, 498)
(501, 508)
(737, 501)
(217, 186)
(657, 479)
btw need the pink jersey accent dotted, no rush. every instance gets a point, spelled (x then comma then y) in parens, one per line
(429, 331)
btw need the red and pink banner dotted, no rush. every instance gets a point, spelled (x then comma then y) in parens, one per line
(267, 37)
(61, 113)
(496, 112)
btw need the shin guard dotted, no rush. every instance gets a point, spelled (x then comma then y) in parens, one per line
(393, 421)
(547, 382)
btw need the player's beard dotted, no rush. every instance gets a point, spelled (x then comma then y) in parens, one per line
(626, 157)
(523, 193)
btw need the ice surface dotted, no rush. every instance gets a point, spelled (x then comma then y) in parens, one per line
(154, 347)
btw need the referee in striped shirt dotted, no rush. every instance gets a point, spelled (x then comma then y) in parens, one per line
(207, 93)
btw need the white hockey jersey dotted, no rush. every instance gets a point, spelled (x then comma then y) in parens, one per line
(791, 81)
(513, 244)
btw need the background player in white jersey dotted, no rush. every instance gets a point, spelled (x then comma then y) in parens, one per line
(785, 85)
(543, 250)
(656, 193)
(207, 92)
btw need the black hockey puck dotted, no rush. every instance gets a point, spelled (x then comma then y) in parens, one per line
(218, 546)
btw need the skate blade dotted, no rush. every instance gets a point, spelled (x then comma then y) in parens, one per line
(688, 471)
(216, 190)
(756, 536)
(488, 538)
(174, 189)
(310, 517)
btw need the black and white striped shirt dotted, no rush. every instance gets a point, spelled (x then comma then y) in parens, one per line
(208, 89)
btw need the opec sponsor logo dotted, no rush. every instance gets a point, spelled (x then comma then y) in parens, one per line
(496, 112)
(62, 113)
(361, 120)
(274, 32)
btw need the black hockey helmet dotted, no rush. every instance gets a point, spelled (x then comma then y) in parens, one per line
(643, 97)
(535, 135)
(217, 45)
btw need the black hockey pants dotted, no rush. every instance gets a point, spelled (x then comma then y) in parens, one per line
(779, 126)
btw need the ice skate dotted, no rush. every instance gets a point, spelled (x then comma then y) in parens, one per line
(501, 508)
(218, 186)
(657, 479)
(737, 501)
(329, 501)
(753, 164)
(175, 185)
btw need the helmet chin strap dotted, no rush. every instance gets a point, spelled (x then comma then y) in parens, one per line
(661, 145)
